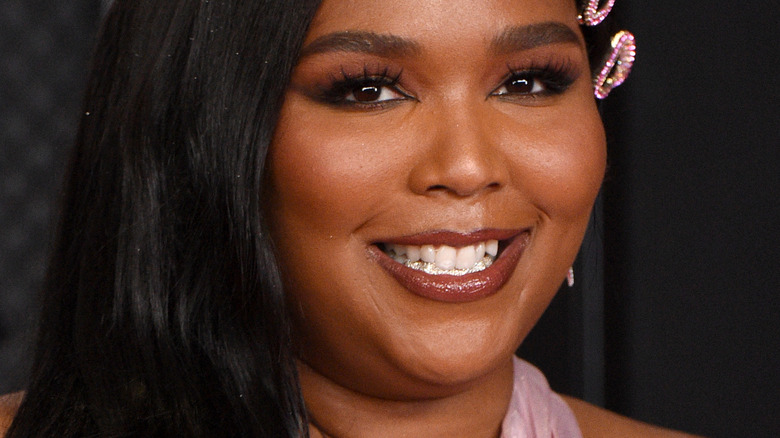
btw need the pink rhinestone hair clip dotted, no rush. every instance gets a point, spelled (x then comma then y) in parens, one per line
(592, 15)
(618, 64)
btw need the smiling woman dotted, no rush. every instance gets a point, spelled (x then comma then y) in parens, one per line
(329, 219)
(425, 141)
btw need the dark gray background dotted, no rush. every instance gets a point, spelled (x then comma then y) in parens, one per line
(681, 330)
(44, 47)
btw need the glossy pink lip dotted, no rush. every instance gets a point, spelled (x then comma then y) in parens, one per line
(457, 288)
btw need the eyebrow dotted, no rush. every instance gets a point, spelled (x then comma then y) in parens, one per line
(364, 42)
(511, 39)
(520, 38)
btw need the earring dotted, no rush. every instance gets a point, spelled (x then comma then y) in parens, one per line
(618, 64)
(570, 277)
(592, 15)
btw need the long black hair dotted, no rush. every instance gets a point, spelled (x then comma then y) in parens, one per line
(163, 312)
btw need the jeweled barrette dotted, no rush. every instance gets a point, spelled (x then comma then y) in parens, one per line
(592, 15)
(618, 64)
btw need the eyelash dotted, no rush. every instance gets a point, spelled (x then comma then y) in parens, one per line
(338, 91)
(555, 78)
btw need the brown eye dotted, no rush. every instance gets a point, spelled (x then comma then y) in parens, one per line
(373, 94)
(521, 84)
(367, 94)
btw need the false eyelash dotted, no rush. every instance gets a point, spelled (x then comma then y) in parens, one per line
(556, 76)
(339, 87)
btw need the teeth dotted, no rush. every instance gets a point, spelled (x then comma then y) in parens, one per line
(413, 253)
(491, 247)
(466, 257)
(445, 259)
(427, 254)
(480, 250)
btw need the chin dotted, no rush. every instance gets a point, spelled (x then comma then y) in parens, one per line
(453, 355)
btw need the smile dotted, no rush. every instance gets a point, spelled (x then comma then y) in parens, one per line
(445, 260)
(453, 267)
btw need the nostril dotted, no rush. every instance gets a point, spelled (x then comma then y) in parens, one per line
(466, 173)
(460, 191)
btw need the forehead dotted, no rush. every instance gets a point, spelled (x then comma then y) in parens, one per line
(437, 19)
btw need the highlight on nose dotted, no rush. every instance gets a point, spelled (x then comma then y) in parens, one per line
(460, 160)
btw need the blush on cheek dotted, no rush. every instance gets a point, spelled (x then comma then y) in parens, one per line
(331, 169)
(563, 176)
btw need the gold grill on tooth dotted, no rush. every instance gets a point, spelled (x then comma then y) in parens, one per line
(431, 268)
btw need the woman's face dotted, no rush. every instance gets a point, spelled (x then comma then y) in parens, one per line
(432, 129)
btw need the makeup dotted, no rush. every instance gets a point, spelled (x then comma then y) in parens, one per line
(457, 287)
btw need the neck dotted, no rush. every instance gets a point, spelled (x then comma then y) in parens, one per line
(475, 409)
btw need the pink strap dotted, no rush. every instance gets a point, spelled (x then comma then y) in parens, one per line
(535, 411)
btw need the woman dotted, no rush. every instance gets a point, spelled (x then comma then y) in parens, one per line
(336, 219)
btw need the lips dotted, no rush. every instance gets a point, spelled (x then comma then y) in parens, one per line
(452, 267)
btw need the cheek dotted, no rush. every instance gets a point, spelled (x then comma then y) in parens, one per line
(567, 182)
(560, 164)
(319, 192)
(558, 170)
(328, 180)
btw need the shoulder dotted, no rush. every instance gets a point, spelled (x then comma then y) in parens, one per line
(597, 422)
(9, 404)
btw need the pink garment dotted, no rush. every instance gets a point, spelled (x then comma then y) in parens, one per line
(535, 411)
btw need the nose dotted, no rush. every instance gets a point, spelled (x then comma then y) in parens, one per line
(461, 158)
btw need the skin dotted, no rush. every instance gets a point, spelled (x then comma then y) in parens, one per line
(9, 404)
(446, 153)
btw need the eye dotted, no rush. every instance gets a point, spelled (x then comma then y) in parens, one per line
(364, 91)
(525, 83)
(537, 82)
(373, 93)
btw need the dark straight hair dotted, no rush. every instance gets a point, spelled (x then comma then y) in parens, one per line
(163, 311)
